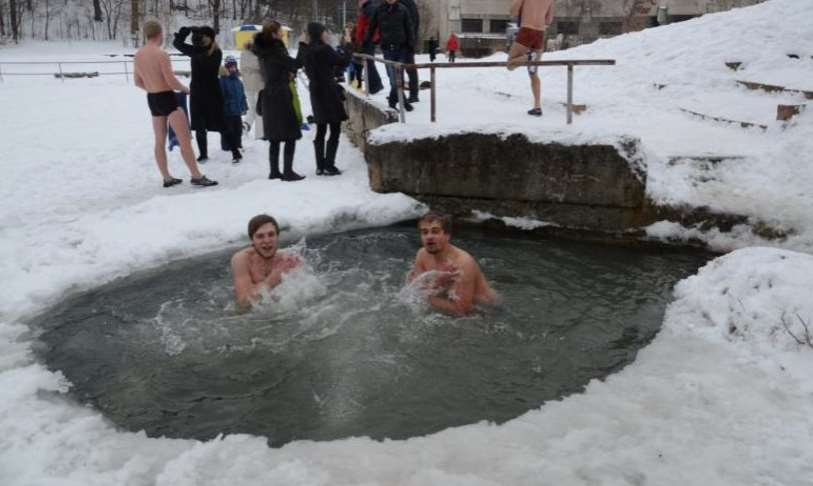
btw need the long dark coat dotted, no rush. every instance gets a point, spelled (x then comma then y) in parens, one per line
(205, 97)
(280, 123)
(327, 97)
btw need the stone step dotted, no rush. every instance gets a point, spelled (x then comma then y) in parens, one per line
(743, 124)
(772, 88)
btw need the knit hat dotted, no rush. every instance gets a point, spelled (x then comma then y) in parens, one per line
(230, 61)
(208, 32)
(315, 30)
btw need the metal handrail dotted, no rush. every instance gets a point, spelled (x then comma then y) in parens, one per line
(401, 66)
(61, 74)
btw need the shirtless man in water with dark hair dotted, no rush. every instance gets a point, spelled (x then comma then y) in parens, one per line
(461, 284)
(260, 266)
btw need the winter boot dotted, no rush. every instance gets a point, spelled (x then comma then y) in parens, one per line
(330, 158)
(288, 174)
(319, 150)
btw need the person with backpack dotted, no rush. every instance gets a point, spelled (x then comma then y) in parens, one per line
(234, 107)
(280, 122)
(205, 99)
(327, 98)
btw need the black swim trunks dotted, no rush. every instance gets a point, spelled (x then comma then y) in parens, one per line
(163, 103)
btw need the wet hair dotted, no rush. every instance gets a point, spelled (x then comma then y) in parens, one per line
(259, 221)
(434, 216)
(270, 28)
(151, 29)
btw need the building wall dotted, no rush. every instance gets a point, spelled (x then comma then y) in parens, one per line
(579, 21)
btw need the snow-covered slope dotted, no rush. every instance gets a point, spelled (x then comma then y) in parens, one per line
(687, 60)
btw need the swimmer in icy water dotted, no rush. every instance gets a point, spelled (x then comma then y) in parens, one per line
(456, 283)
(260, 266)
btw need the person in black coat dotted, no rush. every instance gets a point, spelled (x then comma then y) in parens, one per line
(397, 40)
(206, 99)
(433, 49)
(415, 19)
(280, 123)
(327, 97)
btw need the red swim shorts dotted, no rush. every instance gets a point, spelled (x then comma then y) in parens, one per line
(532, 39)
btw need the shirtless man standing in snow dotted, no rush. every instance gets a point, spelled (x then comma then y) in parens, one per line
(153, 73)
(260, 266)
(460, 284)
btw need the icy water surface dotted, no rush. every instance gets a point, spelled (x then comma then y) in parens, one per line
(346, 350)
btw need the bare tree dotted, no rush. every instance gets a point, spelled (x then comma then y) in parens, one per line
(2, 20)
(97, 11)
(47, 17)
(13, 14)
(214, 5)
(112, 12)
(134, 20)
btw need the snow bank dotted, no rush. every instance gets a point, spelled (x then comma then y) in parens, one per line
(768, 180)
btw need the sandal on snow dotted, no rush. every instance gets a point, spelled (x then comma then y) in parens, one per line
(203, 181)
(172, 182)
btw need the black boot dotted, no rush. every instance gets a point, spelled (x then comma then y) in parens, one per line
(319, 150)
(200, 137)
(288, 173)
(273, 161)
(330, 156)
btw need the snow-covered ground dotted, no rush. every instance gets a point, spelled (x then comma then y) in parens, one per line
(769, 183)
(722, 396)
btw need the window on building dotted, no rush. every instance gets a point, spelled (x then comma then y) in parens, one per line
(498, 26)
(567, 28)
(611, 28)
(472, 25)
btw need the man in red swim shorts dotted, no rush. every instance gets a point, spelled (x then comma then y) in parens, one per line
(534, 16)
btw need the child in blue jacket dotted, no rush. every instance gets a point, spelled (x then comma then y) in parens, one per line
(235, 106)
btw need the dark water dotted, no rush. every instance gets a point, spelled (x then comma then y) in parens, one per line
(346, 350)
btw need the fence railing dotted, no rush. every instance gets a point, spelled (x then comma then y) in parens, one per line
(400, 67)
(61, 74)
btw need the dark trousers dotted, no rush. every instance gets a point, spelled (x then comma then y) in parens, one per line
(288, 157)
(451, 56)
(200, 138)
(413, 75)
(393, 54)
(326, 156)
(374, 78)
(232, 135)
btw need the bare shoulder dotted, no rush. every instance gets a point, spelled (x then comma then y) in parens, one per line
(464, 258)
(241, 257)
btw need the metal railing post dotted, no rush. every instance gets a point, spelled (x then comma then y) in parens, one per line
(433, 95)
(569, 94)
(399, 82)
(61, 76)
(126, 73)
(366, 63)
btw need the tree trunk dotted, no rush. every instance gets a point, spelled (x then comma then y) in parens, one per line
(134, 21)
(215, 4)
(97, 11)
(47, 17)
(14, 27)
(2, 21)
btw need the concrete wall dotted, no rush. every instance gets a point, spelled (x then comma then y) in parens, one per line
(364, 116)
(585, 186)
